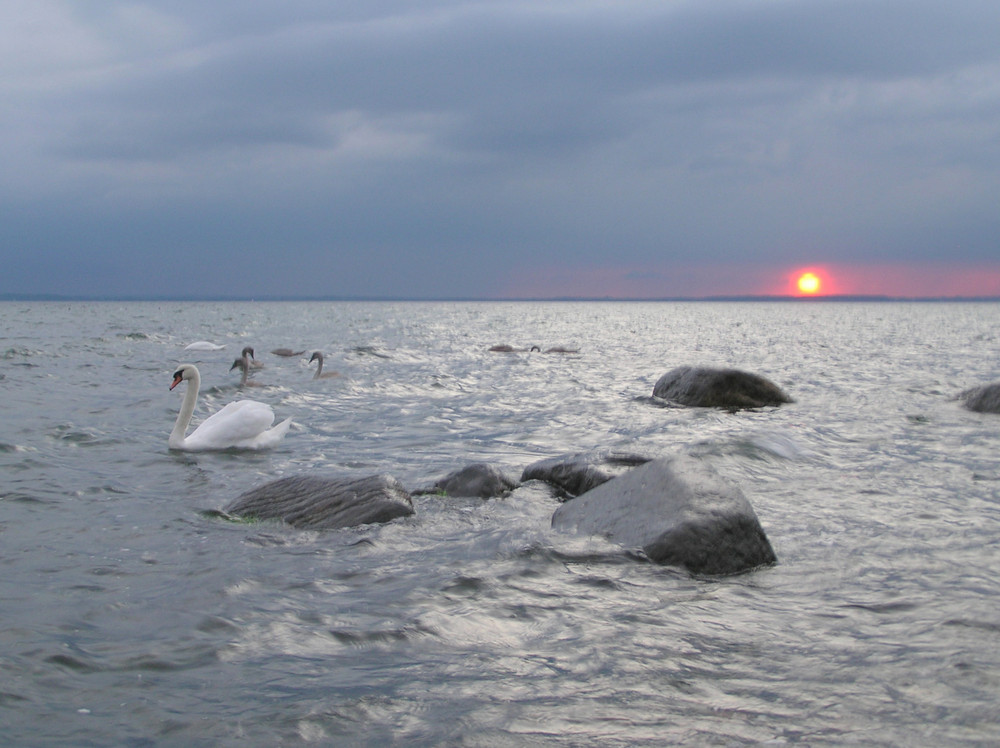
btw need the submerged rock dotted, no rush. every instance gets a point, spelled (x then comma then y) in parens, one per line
(679, 511)
(985, 399)
(320, 503)
(706, 387)
(478, 480)
(574, 474)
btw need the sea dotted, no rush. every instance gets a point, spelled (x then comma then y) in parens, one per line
(134, 613)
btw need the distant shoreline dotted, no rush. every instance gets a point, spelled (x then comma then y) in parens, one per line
(403, 299)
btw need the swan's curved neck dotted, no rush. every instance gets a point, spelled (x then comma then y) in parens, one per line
(246, 370)
(319, 367)
(187, 410)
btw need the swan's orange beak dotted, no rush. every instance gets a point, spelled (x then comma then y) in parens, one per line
(177, 379)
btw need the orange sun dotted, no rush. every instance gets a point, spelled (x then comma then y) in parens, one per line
(809, 284)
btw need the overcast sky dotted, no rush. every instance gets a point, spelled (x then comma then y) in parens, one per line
(504, 148)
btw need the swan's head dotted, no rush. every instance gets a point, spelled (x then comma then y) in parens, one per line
(185, 372)
(248, 351)
(317, 356)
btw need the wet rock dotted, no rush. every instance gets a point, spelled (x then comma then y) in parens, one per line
(985, 399)
(706, 387)
(322, 503)
(574, 474)
(477, 480)
(679, 511)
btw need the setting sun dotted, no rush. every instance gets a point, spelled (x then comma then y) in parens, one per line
(809, 283)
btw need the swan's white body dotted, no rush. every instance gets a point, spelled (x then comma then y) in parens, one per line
(204, 345)
(244, 424)
(317, 356)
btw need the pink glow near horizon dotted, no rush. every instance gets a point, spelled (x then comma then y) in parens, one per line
(905, 280)
(917, 280)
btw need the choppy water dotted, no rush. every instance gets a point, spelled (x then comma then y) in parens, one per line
(131, 617)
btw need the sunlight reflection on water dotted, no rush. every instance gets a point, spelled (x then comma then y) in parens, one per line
(473, 622)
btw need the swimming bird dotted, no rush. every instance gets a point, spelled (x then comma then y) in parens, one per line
(244, 424)
(504, 348)
(241, 364)
(317, 356)
(286, 352)
(203, 345)
(252, 362)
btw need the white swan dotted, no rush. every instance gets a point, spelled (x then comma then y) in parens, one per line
(317, 356)
(244, 424)
(203, 345)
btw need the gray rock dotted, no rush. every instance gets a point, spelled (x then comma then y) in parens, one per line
(574, 474)
(321, 503)
(679, 511)
(479, 480)
(985, 399)
(718, 388)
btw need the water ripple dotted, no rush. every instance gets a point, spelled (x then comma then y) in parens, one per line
(135, 613)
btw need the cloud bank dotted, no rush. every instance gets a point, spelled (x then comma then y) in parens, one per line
(486, 149)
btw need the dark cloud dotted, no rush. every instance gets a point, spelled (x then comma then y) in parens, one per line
(454, 144)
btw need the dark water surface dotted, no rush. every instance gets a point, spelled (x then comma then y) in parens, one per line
(130, 616)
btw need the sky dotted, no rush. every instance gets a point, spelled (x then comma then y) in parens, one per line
(499, 149)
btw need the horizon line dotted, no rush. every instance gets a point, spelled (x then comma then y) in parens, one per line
(366, 298)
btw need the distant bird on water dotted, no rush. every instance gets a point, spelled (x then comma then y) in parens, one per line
(317, 356)
(247, 355)
(242, 363)
(203, 345)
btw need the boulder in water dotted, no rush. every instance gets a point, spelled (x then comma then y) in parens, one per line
(479, 480)
(985, 399)
(574, 474)
(322, 503)
(679, 511)
(706, 387)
